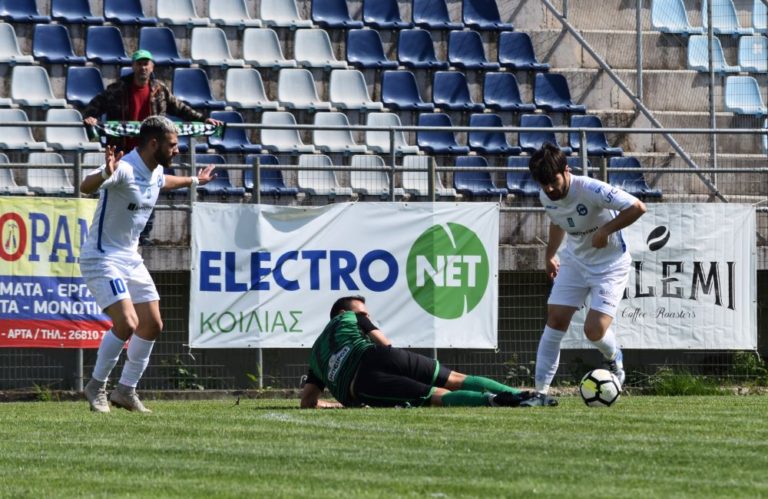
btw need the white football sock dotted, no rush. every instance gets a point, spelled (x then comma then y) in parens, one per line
(547, 358)
(107, 355)
(139, 351)
(607, 345)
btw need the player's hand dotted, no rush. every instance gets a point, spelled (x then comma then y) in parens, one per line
(110, 160)
(552, 267)
(599, 239)
(205, 175)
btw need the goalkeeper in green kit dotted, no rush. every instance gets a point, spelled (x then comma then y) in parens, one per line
(359, 366)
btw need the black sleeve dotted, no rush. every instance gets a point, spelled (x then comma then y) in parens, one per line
(311, 378)
(364, 323)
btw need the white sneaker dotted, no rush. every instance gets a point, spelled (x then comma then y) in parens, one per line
(126, 397)
(96, 393)
(616, 366)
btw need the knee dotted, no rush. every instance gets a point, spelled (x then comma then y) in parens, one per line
(593, 332)
(125, 327)
(558, 323)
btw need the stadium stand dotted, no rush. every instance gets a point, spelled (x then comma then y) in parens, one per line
(551, 94)
(670, 16)
(321, 182)
(68, 138)
(597, 144)
(399, 91)
(574, 163)
(18, 137)
(759, 16)
(465, 51)
(753, 54)
(296, 90)
(104, 45)
(180, 13)
(531, 141)
(232, 13)
(438, 142)
(271, 182)
(379, 141)
(415, 49)
(261, 48)
(475, 184)
(22, 11)
(209, 47)
(347, 90)
(192, 86)
(483, 15)
(520, 183)
(632, 182)
(494, 142)
(234, 140)
(415, 182)
(450, 91)
(365, 50)
(162, 44)
(220, 185)
(8, 185)
(73, 12)
(10, 53)
(383, 14)
(335, 141)
(286, 140)
(725, 19)
(312, 49)
(433, 14)
(127, 12)
(48, 181)
(244, 89)
(52, 45)
(516, 52)
(333, 14)
(501, 92)
(742, 96)
(698, 55)
(282, 14)
(30, 86)
(373, 181)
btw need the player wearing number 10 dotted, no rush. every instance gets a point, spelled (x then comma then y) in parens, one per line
(111, 265)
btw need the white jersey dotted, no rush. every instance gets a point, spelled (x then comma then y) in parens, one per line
(126, 199)
(588, 205)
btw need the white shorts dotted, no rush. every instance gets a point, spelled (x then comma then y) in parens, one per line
(110, 282)
(606, 286)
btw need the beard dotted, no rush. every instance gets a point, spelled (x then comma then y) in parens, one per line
(163, 159)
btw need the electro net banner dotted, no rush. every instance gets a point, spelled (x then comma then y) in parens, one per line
(693, 281)
(266, 276)
(44, 301)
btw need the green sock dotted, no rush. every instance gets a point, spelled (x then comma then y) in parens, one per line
(481, 384)
(465, 398)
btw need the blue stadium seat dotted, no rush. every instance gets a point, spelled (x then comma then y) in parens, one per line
(760, 16)
(502, 93)
(433, 15)
(631, 182)
(489, 142)
(220, 185)
(698, 55)
(725, 19)
(574, 163)
(753, 54)
(483, 15)
(742, 96)
(520, 183)
(438, 142)
(365, 50)
(161, 42)
(516, 52)
(552, 95)
(234, 140)
(415, 49)
(83, 84)
(21, 11)
(74, 12)
(450, 90)
(271, 182)
(383, 14)
(399, 91)
(465, 51)
(192, 86)
(475, 183)
(597, 145)
(670, 16)
(104, 45)
(531, 141)
(51, 44)
(333, 14)
(127, 12)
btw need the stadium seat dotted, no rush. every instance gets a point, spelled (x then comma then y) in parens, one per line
(399, 91)
(753, 54)
(209, 48)
(179, 13)
(335, 141)
(574, 163)
(373, 181)
(244, 89)
(127, 12)
(271, 182)
(104, 45)
(450, 91)
(282, 14)
(161, 42)
(433, 15)
(232, 13)
(483, 15)
(74, 12)
(68, 138)
(49, 181)
(365, 50)
(234, 140)
(597, 145)
(18, 137)
(51, 44)
(261, 48)
(296, 90)
(347, 90)
(30, 86)
(321, 182)
(416, 183)
(520, 183)
(502, 93)
(438, 142)
(532, 141)
(632, 182)
(21, 11)
(670, 16)
(552, 95)
(698, 55)
(760, 16)
(383, 14)
(492, 142)
(220, 185)
(192, 86)
(10, 53)
(465, 51)
(287, 140)
(516, 52)
(91, 161)
(333, 14)
(725, 19)
(742, 96)
(415, 49)
(379, 141)
(312, 49)
(8, 185)
(478, 183)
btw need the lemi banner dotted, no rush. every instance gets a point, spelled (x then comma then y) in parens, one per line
(693, 280)
(43, 298)
(266, 276)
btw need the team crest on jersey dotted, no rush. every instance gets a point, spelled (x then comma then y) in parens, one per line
(581, 209)
(159, 181)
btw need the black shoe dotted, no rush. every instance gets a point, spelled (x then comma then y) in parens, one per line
(539, 400)
(509, 399)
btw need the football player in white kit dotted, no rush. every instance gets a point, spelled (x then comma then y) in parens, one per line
(111, 265)
(595, 261)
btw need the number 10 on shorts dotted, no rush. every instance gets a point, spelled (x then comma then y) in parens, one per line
(118, 286)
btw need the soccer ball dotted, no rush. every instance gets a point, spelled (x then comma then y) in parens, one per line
(599, 388)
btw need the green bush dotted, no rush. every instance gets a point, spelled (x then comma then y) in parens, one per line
(667, 382)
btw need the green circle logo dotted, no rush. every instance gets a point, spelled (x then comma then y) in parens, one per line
(448, 270)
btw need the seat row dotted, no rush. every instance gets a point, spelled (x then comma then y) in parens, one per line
(671, 16)
(752, 58)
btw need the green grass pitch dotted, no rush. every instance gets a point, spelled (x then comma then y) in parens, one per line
(641, 447)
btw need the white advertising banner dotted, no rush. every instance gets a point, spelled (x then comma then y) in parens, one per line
(693, 280)
(266, 276)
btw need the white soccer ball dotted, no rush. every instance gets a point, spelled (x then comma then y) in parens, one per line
(599, 388)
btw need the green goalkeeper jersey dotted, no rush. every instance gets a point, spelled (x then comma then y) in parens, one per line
(336, 355)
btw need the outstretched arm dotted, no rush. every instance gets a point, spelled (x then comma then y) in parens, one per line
(92, 182)
(204, 175)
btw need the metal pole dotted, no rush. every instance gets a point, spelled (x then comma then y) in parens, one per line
(260, 355)
(78, 174)
(256, 195)
(565, 9)
(712, 116)
(639, 29)
(392, 164)
(431, 180)
(583, 152)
